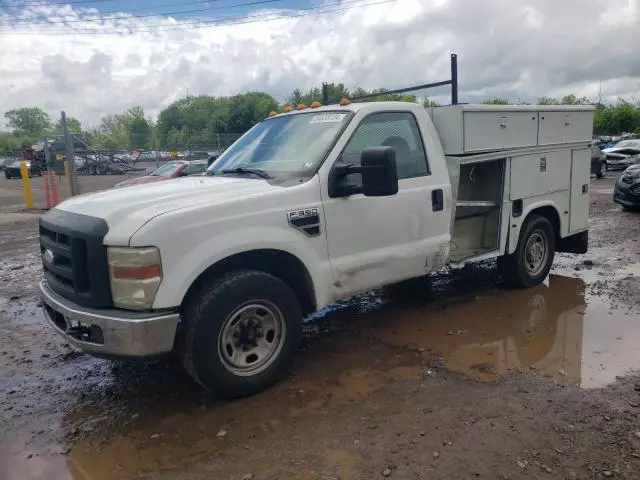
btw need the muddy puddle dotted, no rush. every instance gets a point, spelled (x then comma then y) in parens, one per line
(128, 420)
(556, 329)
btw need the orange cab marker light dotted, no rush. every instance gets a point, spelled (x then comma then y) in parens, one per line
(287, 109)
(136, 272)
(316, 104)
(344, 102)
(301, 106)
(273, 114)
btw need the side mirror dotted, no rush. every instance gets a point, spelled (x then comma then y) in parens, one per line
(378, 170)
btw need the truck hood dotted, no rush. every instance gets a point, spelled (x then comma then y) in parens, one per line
(127, 209)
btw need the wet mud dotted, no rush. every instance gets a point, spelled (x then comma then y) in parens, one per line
(450, 376)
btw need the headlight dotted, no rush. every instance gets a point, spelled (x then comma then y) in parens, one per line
(134, 275)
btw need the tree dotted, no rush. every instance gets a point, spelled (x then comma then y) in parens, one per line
(195, 121)
(139, 130)
(547, 101)
(381, 95)
(28, 121)
(571, 99)
(73, 125)
(336, 92)
(496, 101)
(248, 109)
(430, 103)
(10, 144)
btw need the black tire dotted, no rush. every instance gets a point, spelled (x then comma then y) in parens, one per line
(208, 314)
(6, 174)
(627, 208)
(602, 171)
(101, 168)
(514, 269)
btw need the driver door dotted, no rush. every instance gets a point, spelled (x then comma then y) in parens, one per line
(374, 241)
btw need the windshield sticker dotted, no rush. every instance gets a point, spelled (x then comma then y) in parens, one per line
(328, 118)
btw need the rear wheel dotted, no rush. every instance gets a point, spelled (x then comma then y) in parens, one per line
(602, 172)
(529, 265)
(240, 333)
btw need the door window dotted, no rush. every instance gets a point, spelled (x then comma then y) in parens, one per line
(393, 129)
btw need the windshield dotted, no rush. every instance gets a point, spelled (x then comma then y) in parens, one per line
(288, 145)
(628, 144)
(166, 170)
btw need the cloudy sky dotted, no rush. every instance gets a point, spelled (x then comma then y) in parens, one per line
(95, 57)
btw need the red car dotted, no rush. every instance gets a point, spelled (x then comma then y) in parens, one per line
(167, 171)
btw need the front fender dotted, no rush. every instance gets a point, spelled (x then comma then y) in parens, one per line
(182, 269)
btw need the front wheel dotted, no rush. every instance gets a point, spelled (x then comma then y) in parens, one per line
(602, 172)
(240, 333)
(529, 265)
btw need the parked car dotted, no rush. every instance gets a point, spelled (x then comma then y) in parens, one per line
(168, 171)
(627, 189)
(13, 170)
(623, 154)
(4, 162)
(146, 156)
(598, 162)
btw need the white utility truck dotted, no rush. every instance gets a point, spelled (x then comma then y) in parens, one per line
(308, 207)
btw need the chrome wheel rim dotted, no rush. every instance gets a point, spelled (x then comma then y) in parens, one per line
(603, 169)
(536, 253)
(251, 338)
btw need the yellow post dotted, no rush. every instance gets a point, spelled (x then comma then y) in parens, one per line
(66, 184)
(26, 185)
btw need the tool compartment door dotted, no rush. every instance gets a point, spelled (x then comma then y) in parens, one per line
(563, 127)
(485, 131)
(580, 180)
(540, 173)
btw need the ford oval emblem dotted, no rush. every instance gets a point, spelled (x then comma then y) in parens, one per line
(48, 257)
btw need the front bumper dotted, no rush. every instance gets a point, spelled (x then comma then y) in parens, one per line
(109, 333)
(619, 164)
(623, 195)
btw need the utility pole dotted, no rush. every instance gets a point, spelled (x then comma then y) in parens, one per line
(68, 143)
(47, 160)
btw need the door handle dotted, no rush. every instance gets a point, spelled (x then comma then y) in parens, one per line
(437, 200)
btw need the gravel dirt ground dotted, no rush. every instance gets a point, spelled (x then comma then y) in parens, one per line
(449, 377)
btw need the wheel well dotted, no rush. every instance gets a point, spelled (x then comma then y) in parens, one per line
(278, 263)
(551, 214)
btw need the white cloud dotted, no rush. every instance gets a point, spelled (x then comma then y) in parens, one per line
(518, 50)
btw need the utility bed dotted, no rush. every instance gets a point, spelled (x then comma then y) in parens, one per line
(500, 154)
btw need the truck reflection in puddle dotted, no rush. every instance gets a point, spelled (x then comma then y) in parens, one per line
(540, 328)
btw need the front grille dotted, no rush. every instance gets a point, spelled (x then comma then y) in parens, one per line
(74, 258)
